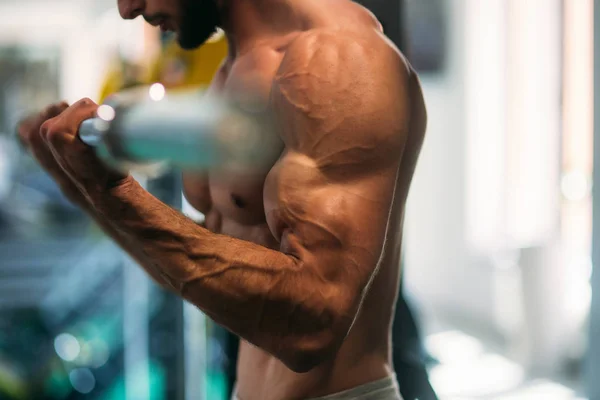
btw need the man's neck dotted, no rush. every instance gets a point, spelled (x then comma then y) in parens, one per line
(247, 22)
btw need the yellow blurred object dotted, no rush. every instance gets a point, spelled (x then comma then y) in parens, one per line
(12, 386)
(122, 75)
(175, 68)
(112, 83)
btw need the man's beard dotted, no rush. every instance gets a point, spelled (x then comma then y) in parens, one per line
(200, 19)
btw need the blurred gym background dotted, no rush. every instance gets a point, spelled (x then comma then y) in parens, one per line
(498, 248)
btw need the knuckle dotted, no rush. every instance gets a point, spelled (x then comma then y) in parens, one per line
(48, 128)
(53, 110)
(49, 112)
(86, 102)
(62, 107)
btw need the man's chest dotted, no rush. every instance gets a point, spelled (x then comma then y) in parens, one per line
(234, 191)
(233, 202)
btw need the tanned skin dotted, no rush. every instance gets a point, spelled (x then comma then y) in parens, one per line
(300, 258)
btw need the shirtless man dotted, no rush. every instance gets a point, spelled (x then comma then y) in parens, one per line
(300, 259)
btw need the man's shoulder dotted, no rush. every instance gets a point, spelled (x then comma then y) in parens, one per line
(344, 96)
(355, 47)
(344, 65)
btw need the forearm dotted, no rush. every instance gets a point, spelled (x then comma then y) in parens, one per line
(128, 246)
(267, 297)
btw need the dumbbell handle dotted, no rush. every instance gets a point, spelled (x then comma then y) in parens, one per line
(90, 131)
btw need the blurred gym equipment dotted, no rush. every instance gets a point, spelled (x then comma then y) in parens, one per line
(187, 130)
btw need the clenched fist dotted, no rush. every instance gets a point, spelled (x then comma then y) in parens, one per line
(51, 137)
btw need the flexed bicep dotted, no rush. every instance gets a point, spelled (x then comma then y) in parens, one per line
(329, 198)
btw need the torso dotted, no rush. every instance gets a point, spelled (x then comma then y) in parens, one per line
(235, 202)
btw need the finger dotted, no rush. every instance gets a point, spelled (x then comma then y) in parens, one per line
(47, 160)
(29, 135)
(55, 109)
(67, 123)
(79, 111)
(37, 146)
(49, 113)
(28, 128)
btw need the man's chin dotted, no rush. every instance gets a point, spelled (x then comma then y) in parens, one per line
(199, 21)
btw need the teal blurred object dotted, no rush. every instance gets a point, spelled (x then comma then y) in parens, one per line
(216, 383)
(146, 129)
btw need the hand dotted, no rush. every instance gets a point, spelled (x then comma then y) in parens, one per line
(51, 137)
